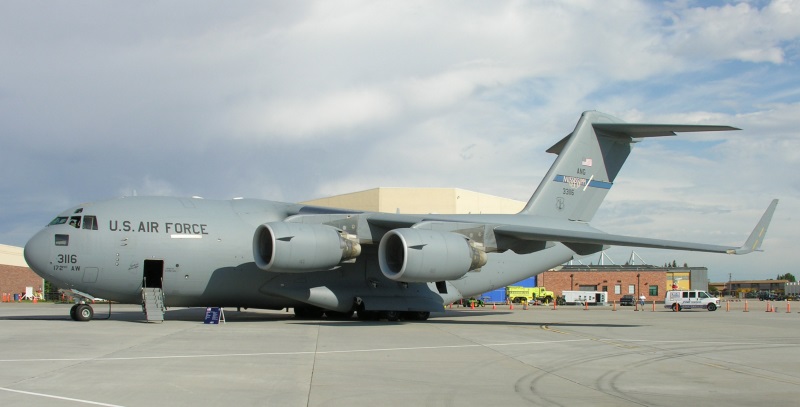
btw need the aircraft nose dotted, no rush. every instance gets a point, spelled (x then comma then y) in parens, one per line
(37, 252)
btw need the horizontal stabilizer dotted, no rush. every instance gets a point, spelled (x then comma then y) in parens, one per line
(638, 130)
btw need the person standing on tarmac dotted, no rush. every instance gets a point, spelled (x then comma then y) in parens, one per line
(641, 301)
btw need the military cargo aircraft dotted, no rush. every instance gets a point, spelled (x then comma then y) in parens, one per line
(188, 252)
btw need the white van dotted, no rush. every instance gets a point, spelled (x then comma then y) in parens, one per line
(688, 299)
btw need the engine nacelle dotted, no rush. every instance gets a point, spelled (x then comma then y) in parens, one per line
(301, 248)
(418, 256)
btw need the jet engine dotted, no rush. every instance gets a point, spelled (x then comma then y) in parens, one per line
(416, 255)
(300, 248)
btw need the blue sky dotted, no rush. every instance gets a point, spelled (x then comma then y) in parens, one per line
(293, 101)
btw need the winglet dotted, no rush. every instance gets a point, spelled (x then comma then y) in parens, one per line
(753, 242)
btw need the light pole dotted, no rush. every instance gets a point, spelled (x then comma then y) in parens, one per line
(638, 288)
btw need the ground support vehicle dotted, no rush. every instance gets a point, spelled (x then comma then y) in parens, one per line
(585, 297)
(689, 299)
(526, 295)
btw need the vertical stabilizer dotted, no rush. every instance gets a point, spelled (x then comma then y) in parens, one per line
(588, 162)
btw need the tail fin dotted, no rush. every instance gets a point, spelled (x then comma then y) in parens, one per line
(589, 160)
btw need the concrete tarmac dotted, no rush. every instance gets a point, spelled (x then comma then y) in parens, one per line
(462, 357)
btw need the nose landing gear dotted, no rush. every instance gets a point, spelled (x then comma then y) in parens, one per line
(81, 312)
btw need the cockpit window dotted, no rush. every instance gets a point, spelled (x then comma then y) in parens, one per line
(62, 240)
(58, 221)
(79, 210)
(75, 222)
(90, 222)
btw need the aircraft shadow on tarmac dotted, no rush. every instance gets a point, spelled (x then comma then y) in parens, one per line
(233, 316)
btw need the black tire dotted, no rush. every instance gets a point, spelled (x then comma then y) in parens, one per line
(339, 316)
(364, 315)
(72, 313)
(712, 306)
(676, 307)
(308, 312)
(83, 313)
(390, 315)
(416, 315)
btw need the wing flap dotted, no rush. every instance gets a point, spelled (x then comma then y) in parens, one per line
(603, 239)
(594, 237)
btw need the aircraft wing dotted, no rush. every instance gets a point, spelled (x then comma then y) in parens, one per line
(568, 237)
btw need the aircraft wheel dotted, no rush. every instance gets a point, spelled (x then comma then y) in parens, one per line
(308, 312)
(712, 307)
(339, 316)
(390, 315)
(416, 315)
(72, 313)
(83, 313)
(364, 315)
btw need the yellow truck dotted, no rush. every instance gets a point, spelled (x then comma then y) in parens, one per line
(525, 295)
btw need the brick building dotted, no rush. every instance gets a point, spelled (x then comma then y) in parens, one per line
(617, 281)
(15, 275)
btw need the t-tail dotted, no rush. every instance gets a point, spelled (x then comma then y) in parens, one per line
(589, 160)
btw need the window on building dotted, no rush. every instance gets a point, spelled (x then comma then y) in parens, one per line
(587, 287)
(654, 291)
(631, 289)
(617, 289)
(605, 288)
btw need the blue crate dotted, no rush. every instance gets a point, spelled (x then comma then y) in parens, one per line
(496, 296)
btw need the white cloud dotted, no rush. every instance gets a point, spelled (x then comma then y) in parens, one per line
(736, 31)
(297, 100)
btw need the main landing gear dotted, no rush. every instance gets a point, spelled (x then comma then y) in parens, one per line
(364, 315)
(81, 312)
(310, 312)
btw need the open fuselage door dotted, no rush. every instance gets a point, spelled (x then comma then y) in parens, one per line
(152, 290)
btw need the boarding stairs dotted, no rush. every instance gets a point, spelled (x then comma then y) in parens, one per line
(153, 304)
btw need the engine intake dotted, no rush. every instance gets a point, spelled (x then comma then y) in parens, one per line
(416, 255)
(301, 248)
